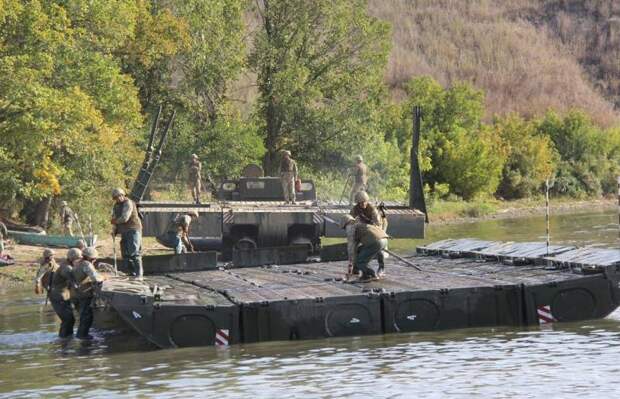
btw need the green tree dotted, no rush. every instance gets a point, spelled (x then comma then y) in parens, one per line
(319, 68)
(214, 56)
(530, 160)
(66, 109)
(588, 155)
(457, 148)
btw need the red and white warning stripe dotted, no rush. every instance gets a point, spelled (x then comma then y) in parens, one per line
(228, 217)
(221, 337)
(544, 314)
(317, 219)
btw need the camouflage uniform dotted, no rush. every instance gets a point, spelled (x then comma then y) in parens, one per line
(370, 215)
(57, 283)
(364, 242)
(128, 225)
(3, 236)
(288, 175)
(178, 232)
(67, 216)
(195, 168)
(84, 276)
(360, 178)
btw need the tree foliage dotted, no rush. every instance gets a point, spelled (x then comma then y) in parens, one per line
(319, 70)
(531, 157)
(79, 78)
(589, 157)
(458, 149)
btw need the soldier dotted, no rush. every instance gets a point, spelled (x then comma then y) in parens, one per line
(360, 177)
(365, 212)
(364, 242)
(67, 216)
(84, 278)
(195, 168)
(4, 234)
(179, 232)
(57, 281)
(127, 223)
(288, 175)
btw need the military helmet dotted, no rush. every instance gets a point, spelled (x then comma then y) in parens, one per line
(117, 192)
(346, 219)
(90, 253)
(194, 156)
(361, 196)
(286, 152)
(48, 253)
(359, 158)
(192, 213)
(73, 254)
(63, 203)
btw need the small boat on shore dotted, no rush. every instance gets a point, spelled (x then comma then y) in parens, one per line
(49, 240)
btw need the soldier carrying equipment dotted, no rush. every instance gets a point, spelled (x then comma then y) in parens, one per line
(288, 176)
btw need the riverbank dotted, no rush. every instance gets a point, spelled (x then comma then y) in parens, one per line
(27, 258)
(454, 212)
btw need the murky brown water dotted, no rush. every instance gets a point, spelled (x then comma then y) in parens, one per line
(566, 360)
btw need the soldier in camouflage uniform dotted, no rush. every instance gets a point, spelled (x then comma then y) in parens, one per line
(366, 213)
(364, 242)
(127, 223)
(178, 232)
(56, 280)
(4, 234)
(288, 175)
(85, 278)
(360, 177)
(67, 216)
(195, 185)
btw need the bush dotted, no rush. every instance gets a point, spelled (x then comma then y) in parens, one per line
(530, 158)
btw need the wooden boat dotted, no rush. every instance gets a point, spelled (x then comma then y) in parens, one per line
(15, 226)
(49, 240)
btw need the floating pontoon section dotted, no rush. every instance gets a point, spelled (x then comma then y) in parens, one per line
(462, 283)
(586, 258)
(506, 252)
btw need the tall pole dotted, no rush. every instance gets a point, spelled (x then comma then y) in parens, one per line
(416, 188)
(547, 214)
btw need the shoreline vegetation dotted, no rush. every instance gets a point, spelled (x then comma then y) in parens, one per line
(322, 90)
(20, 274)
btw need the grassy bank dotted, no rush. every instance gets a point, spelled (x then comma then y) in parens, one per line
(441, 211)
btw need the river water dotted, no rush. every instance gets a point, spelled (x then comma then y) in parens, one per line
(564, 360)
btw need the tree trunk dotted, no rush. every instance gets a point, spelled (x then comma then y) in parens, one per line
(270, 107)
(37, 213)
(42, 213)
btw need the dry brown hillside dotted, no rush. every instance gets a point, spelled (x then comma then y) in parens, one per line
(528, 55)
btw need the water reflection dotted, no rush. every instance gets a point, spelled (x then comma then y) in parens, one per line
(564, 360)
